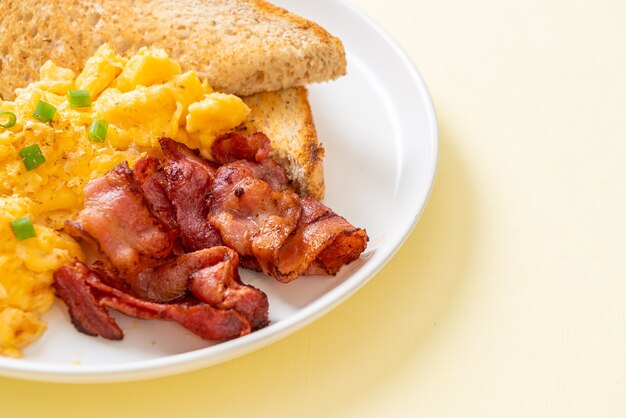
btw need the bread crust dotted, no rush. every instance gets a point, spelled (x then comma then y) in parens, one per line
(295, 144)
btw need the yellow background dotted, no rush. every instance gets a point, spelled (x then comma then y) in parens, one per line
(509, 297)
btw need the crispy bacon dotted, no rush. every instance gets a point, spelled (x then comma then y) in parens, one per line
(212, 276)
(135, 218)
(149, 174)
(86, 296)
(115, 218)
(189, 179)
(234, 146)
(220, 285)
(274, 229)
(268, 171)
(201, 319)
(70, 284)
(252, 218)
(322, 243)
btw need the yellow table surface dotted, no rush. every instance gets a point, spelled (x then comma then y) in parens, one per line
(509, 297)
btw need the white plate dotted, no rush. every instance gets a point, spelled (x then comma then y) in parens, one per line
(380, 133)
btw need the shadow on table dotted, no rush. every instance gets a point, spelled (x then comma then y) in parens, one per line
(403, 309)
(398, 313)
(426, 278)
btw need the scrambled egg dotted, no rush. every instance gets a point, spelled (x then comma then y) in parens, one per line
(141, 98)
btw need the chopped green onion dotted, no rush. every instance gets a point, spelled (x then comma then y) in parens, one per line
(10, 119)
(98, 130)
(79, 98)
(32, 156)
(44, 111)
(23, 228)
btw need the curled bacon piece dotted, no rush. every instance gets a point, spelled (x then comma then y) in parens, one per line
(212, 276)
(235, 309)
(115, 218)
(322, 243)
(234, 146)
(189, 179)
(220, 285)
(275, 230)
(150, 176)
(252, 218)
(170, 280)
(88, 316)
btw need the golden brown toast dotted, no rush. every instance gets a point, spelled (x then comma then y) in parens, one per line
(240, 46)
(285, 117)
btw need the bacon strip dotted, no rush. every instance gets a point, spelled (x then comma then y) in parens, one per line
(252, 218)
(277, 231)
(115, 218)
(86, 296)
(322, 243)
(220, 285)
(234, 146)
(189, 179)
(201, 319)
(70, 284)
(212, 276)
(149, 174)
(170, 280)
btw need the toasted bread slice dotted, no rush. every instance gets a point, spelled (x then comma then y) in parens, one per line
(240, 46)
(285, 117)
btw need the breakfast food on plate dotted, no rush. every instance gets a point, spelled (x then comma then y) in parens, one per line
(240, 46)
(29, 254)
(61, 140)
(170, 234)
(120, 147)
(225, 308)
(66, 129)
